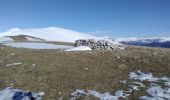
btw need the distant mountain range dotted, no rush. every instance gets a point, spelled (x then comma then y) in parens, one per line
(150, 42)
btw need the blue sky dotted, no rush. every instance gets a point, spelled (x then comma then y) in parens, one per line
(118, 18)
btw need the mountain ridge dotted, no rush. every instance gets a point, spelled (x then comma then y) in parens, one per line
(49, 34)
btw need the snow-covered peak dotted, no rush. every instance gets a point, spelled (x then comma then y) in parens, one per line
(144, 40)
(14, 29)
(49, 34)
(163, 42)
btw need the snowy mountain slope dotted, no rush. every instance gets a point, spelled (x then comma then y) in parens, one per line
(49, 34)
(19, 38)
(151, 42)
(5, 39)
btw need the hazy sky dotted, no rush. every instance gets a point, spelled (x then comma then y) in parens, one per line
(120, 18)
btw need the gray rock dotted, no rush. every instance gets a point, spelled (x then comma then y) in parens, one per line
(97, 45)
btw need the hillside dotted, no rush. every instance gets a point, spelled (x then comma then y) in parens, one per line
(49, 34)
(46, 62)
(59, 73)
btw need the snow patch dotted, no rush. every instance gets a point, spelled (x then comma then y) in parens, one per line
(5, 39)
(13, 64)
(17, 94)
(34, 45)
(142, 76)
(79, 48)
(101, 96)
(138, 75)
(157, 93)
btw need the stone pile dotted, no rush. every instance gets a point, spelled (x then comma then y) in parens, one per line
(97, 45)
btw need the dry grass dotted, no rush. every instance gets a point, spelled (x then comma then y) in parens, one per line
(59, 73)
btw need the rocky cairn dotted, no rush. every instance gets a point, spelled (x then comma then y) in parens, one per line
(98, 45)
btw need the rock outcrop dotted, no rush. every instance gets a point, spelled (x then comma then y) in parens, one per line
(98, 45)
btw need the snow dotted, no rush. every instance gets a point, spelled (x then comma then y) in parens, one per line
(138, 75)
(101, 96)
(144, 40)
(33, 65)
(34, 45)
(5, 39)
(142, 76)
(123, 81)
(13, 64)
(155, 91)
(54, 34)
(79, 48)
(49, 34)
(140, 84)
(17, 94)
(33, 39)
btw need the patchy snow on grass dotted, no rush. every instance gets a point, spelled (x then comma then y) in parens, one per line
(13, 64)
(80, 48)
(142, 76)
(17, 94)
(101, 96)
(138, 75)
(154, 91)
(34, 45)
(157, 93)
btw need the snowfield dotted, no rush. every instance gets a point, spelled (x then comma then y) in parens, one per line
(34, 45)
(49, 34)
(80, 48)
(5, 39)
(53, 34)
